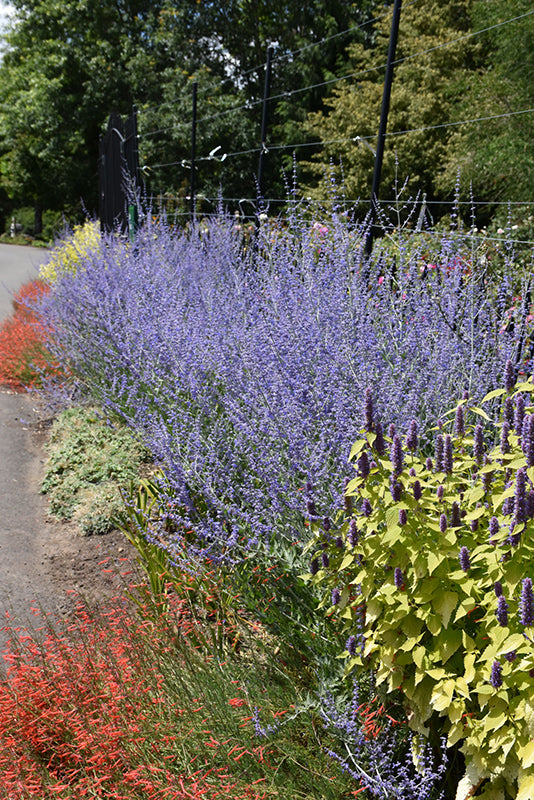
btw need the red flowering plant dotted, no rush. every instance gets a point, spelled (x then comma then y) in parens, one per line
(122, 704)
(24, 355)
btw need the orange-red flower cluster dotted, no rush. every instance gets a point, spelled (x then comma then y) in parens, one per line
(24, 356)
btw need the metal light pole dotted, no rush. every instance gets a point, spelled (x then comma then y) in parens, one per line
(383, 123)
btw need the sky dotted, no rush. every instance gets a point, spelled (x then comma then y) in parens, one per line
(5, 9)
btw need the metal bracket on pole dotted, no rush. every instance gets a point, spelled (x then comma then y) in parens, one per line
(383, 123)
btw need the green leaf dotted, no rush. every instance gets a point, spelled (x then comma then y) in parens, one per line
(525, 386)
(356, 449)
(445, 603)
(442, 695)
(433, 624)
(526, 755)
(450, 641)
(418, 656)
(469, 667)
(434, 560)
(480, 412)
(494, 719)
(514, 642)
(525, 790)
(493, 394)
(347, 561)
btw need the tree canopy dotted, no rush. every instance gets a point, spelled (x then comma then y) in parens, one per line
(67, 65)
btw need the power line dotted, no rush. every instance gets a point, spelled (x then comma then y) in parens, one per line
(352, 75)
(284, 56)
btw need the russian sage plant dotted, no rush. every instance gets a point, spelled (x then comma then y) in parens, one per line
(244, 363)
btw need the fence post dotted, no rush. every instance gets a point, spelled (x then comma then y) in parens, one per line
(193, 151)
(263, 135)
(133, 166)
(383, 123)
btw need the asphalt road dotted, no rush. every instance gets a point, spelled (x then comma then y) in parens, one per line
(17, 266)
(23, 583)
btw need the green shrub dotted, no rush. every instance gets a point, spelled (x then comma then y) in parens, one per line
(90, 461)
(428, 571)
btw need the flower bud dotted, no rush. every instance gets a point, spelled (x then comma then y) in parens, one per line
(496, 675)
(465, 563)
(502, 611)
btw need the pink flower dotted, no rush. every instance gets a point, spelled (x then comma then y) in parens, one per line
(381, 280)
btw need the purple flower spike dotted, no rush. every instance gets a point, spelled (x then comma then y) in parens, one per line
(509, 376)
(397, 457)
(351, 645)
(314, 566)
(412, 438)
(478, 444)
(493, 527)
(464, 559)
(403, 517)
(327, 524)
(502, 611)
(417, 490)
(336, 596)
(509, 411)
(325, 560)
(369, 410)
(379, 443)
(443, 523)
(311, 509)
(429, 464)
(392, 431)
(530, 504)
(526, 603)
(505, 444)
(447, 454)
(527, 439)
(496, 675)
(395, 488)
(440, 491)
(363, 465)
(520, 504)
(353, 534)
(459, 423)
(498, 589)
(439, 453)
(456, 519)
(519, 414)
(511, 656)
(513, 538)
(474, 525)
(398, 578)
(367, 509)
(487, 477)
(340, 543)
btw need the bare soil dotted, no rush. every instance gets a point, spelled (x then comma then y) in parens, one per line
(95, 567)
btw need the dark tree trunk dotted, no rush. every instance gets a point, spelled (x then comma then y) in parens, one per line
(38, 219)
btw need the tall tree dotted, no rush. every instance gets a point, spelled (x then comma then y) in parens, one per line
(495, 154)
(432, 52)
(69, 63)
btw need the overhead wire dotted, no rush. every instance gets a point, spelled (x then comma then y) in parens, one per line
(352, 75)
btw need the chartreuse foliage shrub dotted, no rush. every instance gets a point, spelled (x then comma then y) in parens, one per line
(428, 572)
(67, 256)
